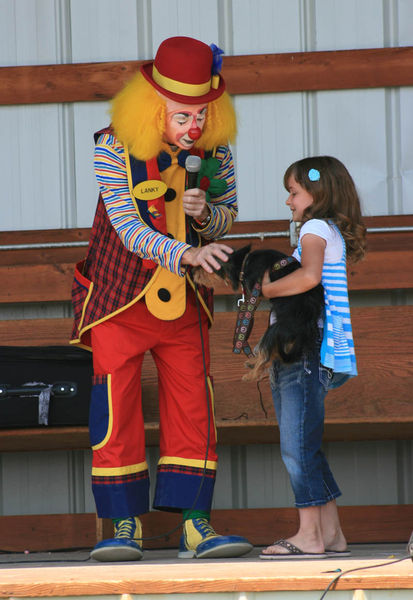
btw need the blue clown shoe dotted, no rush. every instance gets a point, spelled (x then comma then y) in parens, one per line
(199, 540)
(124, 546)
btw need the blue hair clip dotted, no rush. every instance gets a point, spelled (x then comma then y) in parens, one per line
(216, 59)
(314, 175)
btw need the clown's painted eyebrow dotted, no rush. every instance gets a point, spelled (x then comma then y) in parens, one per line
(184, 113)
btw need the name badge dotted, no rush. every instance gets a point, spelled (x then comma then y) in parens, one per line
(150, 189)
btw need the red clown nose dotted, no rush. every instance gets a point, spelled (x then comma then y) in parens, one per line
(194, 133)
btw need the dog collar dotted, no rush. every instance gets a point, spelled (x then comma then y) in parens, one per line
(247, 308)
(283, 262)
(245, 321)
(241, 273)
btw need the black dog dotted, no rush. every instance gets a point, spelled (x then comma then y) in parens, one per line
(294, 331)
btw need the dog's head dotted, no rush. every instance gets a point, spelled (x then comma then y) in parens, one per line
(247, 267)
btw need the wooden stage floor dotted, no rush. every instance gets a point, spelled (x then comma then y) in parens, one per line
(67, 574)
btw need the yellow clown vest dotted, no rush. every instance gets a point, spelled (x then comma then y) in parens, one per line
(166, 293)
(165, 284)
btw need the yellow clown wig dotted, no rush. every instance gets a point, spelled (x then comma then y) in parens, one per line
(138, 116)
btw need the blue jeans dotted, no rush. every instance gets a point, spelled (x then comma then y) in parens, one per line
(298, 391)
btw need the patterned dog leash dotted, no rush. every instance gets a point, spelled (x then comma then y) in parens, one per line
(247, 308)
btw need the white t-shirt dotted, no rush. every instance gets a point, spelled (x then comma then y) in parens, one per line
(334, 245)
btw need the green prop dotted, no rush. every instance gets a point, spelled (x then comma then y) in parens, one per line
(206, 181)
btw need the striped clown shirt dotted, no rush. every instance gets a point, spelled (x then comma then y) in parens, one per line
(110, 170)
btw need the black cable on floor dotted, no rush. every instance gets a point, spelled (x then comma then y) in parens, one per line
(333, 582)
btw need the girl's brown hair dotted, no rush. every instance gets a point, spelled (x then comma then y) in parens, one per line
(334, 197)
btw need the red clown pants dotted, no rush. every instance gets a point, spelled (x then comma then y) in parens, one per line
(120, 479)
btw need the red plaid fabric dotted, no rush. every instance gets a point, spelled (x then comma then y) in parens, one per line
(119, 479)
(116, 276)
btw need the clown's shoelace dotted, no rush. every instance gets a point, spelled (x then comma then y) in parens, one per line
(205, 527)
(126, 528)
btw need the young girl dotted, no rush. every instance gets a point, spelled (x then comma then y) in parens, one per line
(323, 197)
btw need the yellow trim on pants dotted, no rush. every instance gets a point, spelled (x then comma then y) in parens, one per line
(187, 462)
(110, 422)
(143, 466)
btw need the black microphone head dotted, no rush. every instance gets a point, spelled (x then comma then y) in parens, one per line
(193, 163)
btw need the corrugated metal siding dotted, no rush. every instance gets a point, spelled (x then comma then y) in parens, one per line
(248, 477)
(48, 182)
(366, 129)
(51, 146)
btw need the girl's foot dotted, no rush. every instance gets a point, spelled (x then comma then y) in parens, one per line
(336, 543)
(286, 550)
(306, 546)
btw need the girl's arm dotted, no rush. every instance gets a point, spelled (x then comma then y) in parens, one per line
(301, 280)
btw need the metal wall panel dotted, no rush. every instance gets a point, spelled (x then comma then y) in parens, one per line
(30, 162)
(406, 146)
(25, 32)
(248, 477)
(88, 117)
(104, 30)
(267, 26)
(31, 168)
(52, 146)
(262, 154)
(48, 182)
(351, 24)
(356, 119)
(186, 17)
(403, 23)
(366, 129)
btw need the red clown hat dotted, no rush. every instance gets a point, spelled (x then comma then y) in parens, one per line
(183, 71)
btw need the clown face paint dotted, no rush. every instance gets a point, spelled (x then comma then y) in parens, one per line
(184, 123)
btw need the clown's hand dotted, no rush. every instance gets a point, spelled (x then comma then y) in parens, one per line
(195, 204)
(206, 256)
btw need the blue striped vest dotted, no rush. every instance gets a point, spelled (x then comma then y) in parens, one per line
(337, 347)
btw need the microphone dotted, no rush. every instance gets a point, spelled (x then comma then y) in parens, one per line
(192, 168)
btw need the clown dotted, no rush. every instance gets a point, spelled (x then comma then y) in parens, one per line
(134, 293)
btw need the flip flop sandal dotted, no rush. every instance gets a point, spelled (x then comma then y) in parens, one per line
(337, 553)
(410, 546)
(293, 552)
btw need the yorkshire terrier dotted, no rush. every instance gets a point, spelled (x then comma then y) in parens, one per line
(293, 329)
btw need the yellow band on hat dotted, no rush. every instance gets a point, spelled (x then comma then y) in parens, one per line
(178, 87)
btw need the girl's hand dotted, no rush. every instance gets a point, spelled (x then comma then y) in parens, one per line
(301, 280)
(265, 281)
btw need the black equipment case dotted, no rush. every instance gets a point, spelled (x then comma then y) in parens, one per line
(47, 385)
